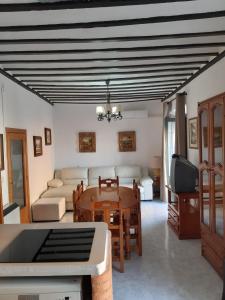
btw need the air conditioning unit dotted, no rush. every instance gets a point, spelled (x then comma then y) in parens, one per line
(41, 288)
(135, 114)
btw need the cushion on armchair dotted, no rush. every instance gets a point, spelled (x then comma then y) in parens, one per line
(54, 183)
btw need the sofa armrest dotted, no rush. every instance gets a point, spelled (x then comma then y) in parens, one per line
(146, 180)
(147, 183)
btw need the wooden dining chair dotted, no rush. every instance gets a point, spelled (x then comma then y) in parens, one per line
(108, 182)
(76, 197)
(111, 213)
(135, 220)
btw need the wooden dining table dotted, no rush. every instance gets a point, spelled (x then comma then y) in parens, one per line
(123, 194)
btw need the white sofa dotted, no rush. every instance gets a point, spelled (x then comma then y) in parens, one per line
(66, 180)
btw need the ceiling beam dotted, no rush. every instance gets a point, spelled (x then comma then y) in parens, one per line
(131, 58)
(71, 4)
(48, 41)
(116, 89)
(101, 102)
(103, 91)
(140, 83)
(118, 49)
(113, 23)
(195, 75)
(111, 80)
(15, 80)
(184, 63)
(103, 95)
(105, 73)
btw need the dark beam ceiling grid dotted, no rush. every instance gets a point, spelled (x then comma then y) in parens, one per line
(130, 76)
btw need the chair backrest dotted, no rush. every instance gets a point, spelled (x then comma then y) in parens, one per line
(76, 197)
(108, 182)
(110, 212)
(136, 191)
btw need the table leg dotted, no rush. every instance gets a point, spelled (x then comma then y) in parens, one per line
(127, 234)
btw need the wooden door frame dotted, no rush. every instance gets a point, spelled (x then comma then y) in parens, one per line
(1, 202)
(25, 161)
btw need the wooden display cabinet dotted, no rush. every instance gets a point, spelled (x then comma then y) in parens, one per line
(184, 214)
(211, 120)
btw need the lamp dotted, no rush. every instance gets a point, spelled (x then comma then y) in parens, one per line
(108, 112)
(156, 165)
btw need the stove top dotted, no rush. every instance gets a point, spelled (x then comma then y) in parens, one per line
(50, 245)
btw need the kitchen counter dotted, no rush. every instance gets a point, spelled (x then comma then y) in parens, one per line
(95, 266)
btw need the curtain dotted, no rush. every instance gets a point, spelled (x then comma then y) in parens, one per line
(163, 174)
(181, 130)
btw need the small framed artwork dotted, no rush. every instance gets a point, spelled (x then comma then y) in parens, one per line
(127, 141)
(1, 153)
(193, 133)
(217, 137)
(48, 136)
(37, 140)
(87, 142)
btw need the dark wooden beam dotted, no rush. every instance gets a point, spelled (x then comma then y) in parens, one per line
(12, 78)
(101, 102)
(116, 59)
(111, 80)
(140, 83)
(195, 75)
(105, 73)
(113, 23)
(119, 49)
(102, 92)
(47, 41)
(76, 4)
(103, 96)
(140, 66)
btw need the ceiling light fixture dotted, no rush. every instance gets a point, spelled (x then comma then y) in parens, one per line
(108, 112)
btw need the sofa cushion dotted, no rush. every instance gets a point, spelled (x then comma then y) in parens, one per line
(104, 172)
(74, 175)
(62, 191)
(54, 183)
(128, 173)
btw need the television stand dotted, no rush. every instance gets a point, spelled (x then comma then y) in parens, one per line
(184, 214)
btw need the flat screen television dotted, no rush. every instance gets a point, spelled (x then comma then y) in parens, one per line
(183, 175)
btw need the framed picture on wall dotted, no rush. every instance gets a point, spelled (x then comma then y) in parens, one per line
(127, 141)
(48, 136)
(37, 140)
(87, 142)
(193, 133)
(1, 153)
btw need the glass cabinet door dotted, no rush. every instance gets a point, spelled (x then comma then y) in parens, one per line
(217, 170)
(204, 175)
(204, 167)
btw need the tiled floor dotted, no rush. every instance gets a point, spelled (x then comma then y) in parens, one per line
(169, 269)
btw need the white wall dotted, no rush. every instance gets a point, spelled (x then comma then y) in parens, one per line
(208, 84)
(21, 109)
(69, 120)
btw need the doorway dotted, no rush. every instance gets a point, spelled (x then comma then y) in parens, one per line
(18, 179)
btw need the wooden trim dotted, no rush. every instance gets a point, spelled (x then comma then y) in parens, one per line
(203, 69)
(113, 23)
(1, 201)
(126, 58)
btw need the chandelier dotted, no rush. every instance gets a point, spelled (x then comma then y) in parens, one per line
(108, 112)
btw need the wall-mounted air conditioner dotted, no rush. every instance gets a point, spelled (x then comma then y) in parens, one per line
(135, 114)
